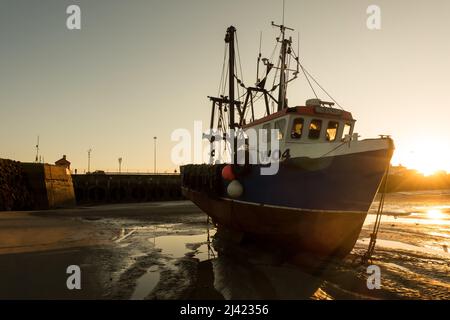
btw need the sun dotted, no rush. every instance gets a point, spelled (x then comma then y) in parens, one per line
(425, 169)
(427, 157)
(435, 214)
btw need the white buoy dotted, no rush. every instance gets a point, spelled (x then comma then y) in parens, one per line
(235, 189)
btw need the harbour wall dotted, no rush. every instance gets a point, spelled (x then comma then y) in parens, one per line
(34, 186)
(51, 185)
(14, 191)
(122, 188)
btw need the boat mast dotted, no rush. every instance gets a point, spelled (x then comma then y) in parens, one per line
(227, 104)
(229, 38)
(285, 48)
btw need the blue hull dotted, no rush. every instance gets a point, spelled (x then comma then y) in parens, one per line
(311, 205)
(339, 183)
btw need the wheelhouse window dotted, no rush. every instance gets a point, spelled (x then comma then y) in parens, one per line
(332, 130)
(297, 128)
(280, 126)
(347, 130)
(314, 129)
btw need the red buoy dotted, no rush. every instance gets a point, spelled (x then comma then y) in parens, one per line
(227, 173)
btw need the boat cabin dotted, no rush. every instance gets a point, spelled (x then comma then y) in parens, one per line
(313, 123)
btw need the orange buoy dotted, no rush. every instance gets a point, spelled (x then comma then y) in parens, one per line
(227, 173)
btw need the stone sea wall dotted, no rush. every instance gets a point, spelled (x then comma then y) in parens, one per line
(34, 186)
(14, 189)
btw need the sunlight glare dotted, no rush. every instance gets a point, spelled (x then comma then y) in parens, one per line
(426, 156)
(435, 214)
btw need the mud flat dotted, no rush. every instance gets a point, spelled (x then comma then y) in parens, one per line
(167, 250)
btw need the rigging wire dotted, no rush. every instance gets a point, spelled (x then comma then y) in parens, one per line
(275, 76)
(239, 58)
(318, 84)
(241, 88)
(308, 75)
(225, 82)
(287, 78)
(275, 48)
(223, 68)
(309, 82)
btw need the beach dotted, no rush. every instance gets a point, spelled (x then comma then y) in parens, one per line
(168, 250)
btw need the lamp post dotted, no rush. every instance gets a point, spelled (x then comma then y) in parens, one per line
(89, 160)
(120, 165)
(37, 150)
(154, 155)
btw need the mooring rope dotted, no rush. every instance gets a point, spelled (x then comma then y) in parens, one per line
(376, 227)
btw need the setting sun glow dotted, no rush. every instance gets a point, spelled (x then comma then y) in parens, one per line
(427, 157)
(435, 214)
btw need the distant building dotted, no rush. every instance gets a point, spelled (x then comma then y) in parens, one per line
(63, 162)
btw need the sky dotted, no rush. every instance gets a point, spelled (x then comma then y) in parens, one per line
(139, 69)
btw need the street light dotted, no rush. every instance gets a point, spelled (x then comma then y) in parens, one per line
(37, 150)
(154, 155)
(89, 160)
(120, 165)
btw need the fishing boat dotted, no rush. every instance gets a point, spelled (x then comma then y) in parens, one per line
(326, 178)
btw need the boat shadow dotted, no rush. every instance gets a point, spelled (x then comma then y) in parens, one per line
(244, 269)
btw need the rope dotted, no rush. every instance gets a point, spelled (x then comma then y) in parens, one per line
(376, 227)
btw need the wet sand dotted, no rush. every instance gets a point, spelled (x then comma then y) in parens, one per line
(168, 251)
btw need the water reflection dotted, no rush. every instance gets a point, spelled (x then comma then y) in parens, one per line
(146, 283)
(412, 250)
(397, 245)
(173, 246)
(231, 269)
(247, 270)
(420, 215)
(435, 214)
